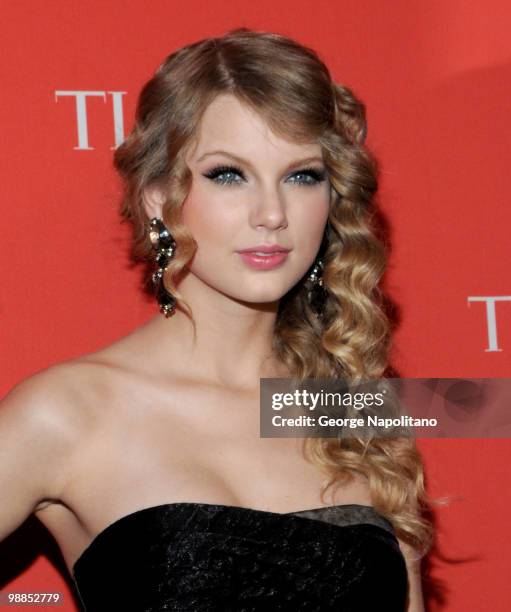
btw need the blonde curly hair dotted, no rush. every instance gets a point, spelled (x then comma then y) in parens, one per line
(291, 88)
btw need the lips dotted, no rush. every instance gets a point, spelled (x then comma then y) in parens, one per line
(263, 260)
(265, 249)
(263, 253)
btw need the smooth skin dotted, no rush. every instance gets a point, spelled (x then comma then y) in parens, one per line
(154, 418)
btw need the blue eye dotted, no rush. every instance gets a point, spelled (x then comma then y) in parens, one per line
(220, 174)
(226, 175)
(313, 176)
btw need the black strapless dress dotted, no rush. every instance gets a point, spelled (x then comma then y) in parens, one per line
(191, 557)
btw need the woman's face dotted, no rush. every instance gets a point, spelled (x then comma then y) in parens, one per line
(251, 188)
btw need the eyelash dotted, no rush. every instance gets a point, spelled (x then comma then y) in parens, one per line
(217, 171)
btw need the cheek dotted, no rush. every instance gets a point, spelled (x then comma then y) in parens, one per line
(310, 220)
(209, 220)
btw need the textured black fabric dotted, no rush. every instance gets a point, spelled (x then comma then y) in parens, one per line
(209, 557)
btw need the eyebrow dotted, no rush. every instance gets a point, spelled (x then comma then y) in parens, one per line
(298, 162)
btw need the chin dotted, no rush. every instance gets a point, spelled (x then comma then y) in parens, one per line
(253, 296)
(265, 296)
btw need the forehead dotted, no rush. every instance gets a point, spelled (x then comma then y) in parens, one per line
(231, 125)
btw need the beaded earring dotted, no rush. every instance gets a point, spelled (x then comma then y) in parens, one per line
(316, 291)
(164, 245)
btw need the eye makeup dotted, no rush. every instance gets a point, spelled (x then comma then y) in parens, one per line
(218, 174)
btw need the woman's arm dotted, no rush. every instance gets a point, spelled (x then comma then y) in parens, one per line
(35, 444)
(415, 596)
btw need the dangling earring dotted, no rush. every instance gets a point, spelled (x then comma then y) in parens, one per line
(315, 289)
(164, 245)
(316, 274)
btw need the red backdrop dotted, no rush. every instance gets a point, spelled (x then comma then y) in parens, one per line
(436, 78)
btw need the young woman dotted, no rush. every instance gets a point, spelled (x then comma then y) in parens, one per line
(251, 196)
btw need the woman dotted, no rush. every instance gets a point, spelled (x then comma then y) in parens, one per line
(248, 183)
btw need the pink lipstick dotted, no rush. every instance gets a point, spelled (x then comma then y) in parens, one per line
(264, 256)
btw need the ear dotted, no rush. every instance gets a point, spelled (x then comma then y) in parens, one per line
(153, 198)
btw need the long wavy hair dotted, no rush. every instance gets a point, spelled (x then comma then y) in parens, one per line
(291, 88)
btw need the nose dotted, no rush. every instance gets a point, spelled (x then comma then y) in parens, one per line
(269, 210)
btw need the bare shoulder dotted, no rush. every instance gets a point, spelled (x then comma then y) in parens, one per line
(53, 399)
(56, 407)
(41, 402)
(42, 420)
(50, 405)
